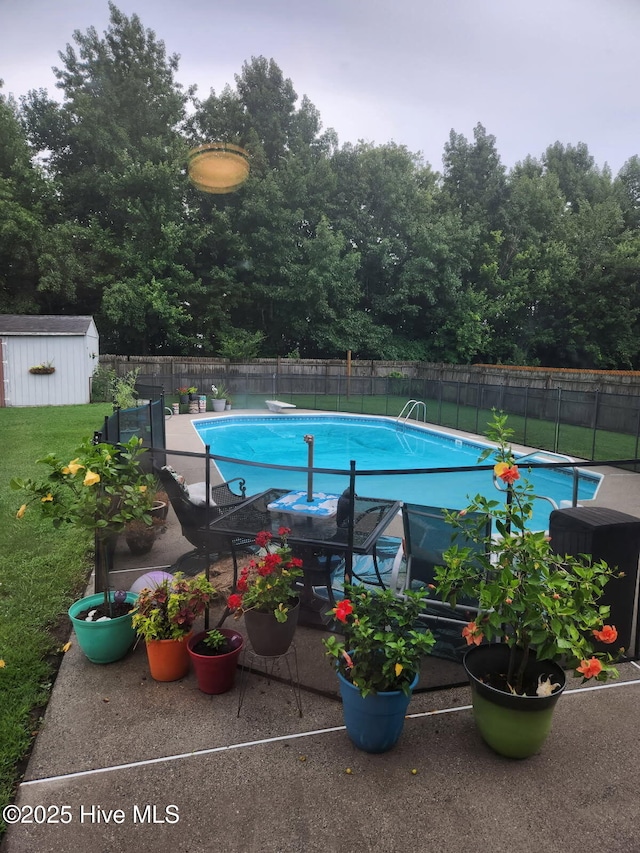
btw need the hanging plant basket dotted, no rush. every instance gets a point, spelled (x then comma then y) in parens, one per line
(218, 167)
(42, 369)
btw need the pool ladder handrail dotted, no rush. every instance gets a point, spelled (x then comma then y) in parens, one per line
(409, 408)
(521, 459)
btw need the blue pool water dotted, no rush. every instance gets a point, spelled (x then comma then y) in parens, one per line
(375, 444)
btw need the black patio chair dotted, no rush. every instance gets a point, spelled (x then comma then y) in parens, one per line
(195, 515)
(427, 534)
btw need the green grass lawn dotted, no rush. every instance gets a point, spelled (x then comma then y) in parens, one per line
(41, 572)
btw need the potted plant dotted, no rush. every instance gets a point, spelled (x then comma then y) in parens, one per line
(183, 394)
(140, 536)
(219, 396)
(164, 617)
(101, 490)
(542, 608)
(377, 662)
(214, 655)
(43, 369)
(192, 391)
(266, 596)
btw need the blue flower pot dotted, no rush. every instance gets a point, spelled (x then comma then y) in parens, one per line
(374, 723)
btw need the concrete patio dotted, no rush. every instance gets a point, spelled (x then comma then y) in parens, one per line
(146, 766)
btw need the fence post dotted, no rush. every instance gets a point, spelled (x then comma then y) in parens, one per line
(596, 413)
(207, 490)
(348, 557)
(557, 426)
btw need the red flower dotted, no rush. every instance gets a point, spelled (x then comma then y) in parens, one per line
(296, 562)
(263, 538)
(343, 609)
(507, 473)
(609, 634)
(243, 584)
(472, 634)
(268, 565)
(234, 601)
(590, 668)
(284, 531)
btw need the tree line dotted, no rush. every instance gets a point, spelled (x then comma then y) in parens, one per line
(326, 248)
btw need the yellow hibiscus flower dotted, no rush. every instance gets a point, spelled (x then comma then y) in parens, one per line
(72, 468)
(91, 478)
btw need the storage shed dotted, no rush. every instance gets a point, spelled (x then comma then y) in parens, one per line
(47, 359)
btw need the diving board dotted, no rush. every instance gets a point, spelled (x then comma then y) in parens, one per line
(278, 406)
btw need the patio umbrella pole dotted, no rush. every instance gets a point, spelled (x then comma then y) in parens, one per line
(348, 557)
(207, 481)
(309, 441)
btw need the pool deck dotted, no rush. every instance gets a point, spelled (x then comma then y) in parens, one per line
(270, 781)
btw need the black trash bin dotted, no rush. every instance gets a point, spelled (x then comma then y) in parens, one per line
(612, 536)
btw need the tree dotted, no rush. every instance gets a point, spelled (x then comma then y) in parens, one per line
(116, 154)
(626, 188)
(22, 193)
(579, 179)
(473, 180)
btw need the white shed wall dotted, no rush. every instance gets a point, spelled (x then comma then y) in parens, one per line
(69, 354)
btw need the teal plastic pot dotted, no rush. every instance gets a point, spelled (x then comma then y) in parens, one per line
(103, 642)
(374, 723)
(513, 726)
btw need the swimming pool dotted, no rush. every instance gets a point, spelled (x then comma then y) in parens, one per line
(375, 444)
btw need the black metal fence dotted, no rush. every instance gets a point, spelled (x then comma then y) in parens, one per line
(146, 421)
(587, 424)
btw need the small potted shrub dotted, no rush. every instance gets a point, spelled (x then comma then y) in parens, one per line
(377, 662)
(140, 537)
(219, 395)
(265, 595)
(101, 490)
(214, 655)
(538, 610)
(164, 617)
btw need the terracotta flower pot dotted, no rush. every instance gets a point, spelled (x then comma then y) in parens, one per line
(168, 659)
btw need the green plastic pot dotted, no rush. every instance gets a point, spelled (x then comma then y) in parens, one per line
(514, 726)
(103, 642)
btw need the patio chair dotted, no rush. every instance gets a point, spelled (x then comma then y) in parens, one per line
(195, 515)
(427, 535)
(324, 569)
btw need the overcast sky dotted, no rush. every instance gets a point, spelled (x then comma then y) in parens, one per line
(531, 71)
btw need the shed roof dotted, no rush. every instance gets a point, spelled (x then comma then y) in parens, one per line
(44, 324)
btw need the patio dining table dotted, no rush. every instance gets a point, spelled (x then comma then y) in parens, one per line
(313, 535)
